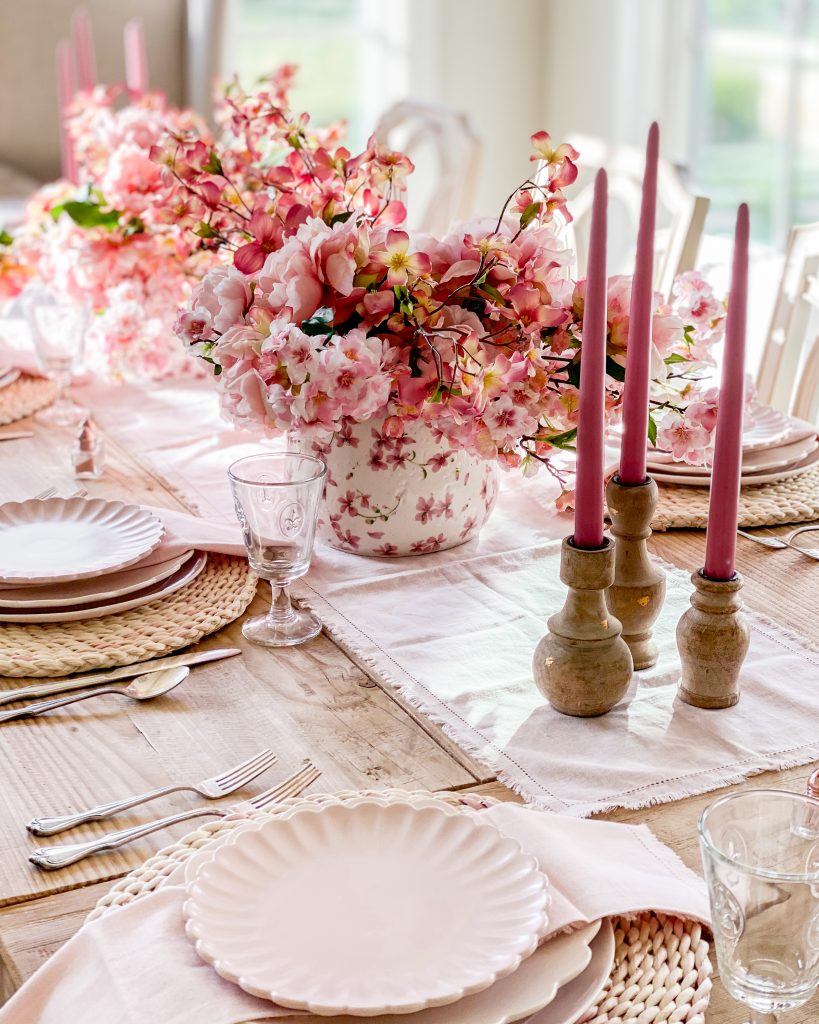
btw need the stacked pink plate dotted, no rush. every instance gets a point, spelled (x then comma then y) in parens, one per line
(397, 912)
(775, 447)
(67, 559)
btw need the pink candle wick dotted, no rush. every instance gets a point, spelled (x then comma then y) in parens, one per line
(588, 517)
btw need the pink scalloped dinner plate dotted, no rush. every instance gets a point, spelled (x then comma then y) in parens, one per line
(367, 909)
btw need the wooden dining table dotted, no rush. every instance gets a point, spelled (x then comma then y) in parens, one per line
(304, 701)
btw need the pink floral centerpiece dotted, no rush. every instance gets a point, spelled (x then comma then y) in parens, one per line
(416, 365)
(112, 240)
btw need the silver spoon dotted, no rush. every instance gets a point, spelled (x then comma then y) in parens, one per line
(144, 687)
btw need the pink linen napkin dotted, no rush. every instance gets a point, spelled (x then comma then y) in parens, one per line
(16, 348)
(135, 965)
(183, 531)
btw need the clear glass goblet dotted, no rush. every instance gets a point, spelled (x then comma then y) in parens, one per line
(58, 326)
(277, 497)
(760, 851)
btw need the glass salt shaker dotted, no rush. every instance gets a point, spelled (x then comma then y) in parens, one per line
(88, 453)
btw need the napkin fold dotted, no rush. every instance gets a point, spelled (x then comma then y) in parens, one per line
(184, 531)
(136, 966)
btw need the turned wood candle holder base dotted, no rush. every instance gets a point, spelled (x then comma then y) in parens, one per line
(712, 640)
(637, 594)
(583, 666)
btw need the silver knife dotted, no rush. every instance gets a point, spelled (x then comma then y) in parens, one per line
(126, 672)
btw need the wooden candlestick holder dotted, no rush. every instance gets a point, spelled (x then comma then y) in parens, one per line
(583, 666)
(637, 594)
(712, 640)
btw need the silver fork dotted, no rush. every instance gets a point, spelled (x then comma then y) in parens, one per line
(779, 543)
(212, 789)
(52, 857)
(49, 492)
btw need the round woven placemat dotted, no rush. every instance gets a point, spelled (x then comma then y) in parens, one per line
(218, 595)
(25, 396)
(661, 971)
(789, 501)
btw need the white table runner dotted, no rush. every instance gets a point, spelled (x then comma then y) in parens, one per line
(455, 632)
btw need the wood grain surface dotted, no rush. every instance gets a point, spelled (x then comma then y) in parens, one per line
(305, 701)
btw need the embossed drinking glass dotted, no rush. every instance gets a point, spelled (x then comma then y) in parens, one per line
(276, 497)
(57, 326)
(760, 851)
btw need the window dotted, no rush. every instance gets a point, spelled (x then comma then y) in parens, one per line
(756, 122)
(352, 58)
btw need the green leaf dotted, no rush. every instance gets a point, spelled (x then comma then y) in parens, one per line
(529, 214)
(652, 429)
(675, 357)
(493, 293)
(135, 226)
(214, 164)
(341, 218)
(573, 373)
(88, 215)
(615, 370)
(319, 323)
(5, 237)
(564, 440)
(204, 230)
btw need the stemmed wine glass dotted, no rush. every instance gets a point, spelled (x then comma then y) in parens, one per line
(276, 497)
(58, 326)
(760, 851)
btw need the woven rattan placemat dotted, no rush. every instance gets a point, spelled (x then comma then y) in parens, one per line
(25, 396)
(220, 594)
(789, 501)
(661, 970)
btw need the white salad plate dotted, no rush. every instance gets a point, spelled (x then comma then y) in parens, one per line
(45, 540)
(703, 479)
(367, 909)
(575, 999)
(781, 457)
(96, 588)
(95, 609)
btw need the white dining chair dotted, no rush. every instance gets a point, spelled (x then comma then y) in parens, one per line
(788, 376)
(447, 155)
(680, 214)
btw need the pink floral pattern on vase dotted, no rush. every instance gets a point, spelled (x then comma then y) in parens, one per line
(407, 495)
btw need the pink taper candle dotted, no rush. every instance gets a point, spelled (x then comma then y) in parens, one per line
(65, 93)
(83, 43)
(638, 362)
(721, 539)
(136, 64)
(588, 516)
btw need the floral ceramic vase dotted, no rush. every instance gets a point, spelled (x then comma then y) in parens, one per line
(408, 495)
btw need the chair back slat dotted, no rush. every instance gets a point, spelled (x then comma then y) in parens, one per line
(456, 151)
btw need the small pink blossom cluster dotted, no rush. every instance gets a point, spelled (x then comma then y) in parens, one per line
(479, 334)
(112, 241)
(270, 171)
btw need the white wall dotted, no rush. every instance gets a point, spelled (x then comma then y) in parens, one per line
(484, 57)
(599, 67)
